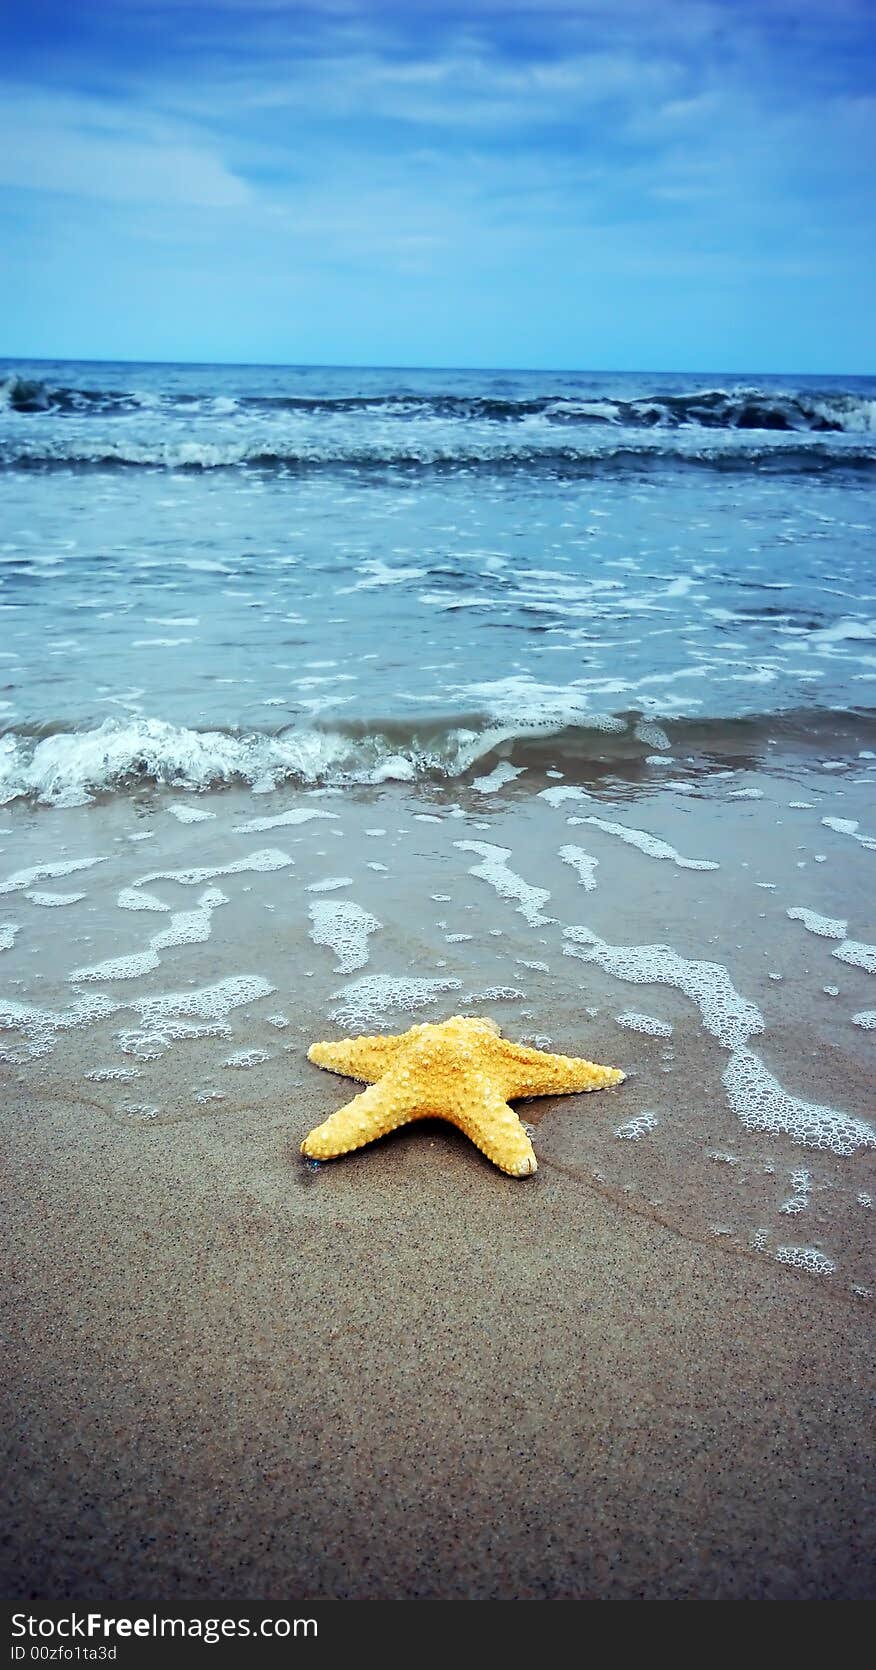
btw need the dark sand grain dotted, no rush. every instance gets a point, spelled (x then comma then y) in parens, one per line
(404, 1376)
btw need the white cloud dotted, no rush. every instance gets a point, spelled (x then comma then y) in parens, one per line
(323, 159)
(464, 87)
(87, 147)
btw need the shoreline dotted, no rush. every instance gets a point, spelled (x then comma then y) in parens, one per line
(402, 1374)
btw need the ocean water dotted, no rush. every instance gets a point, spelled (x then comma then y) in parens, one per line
(335, 699)
(215, 573)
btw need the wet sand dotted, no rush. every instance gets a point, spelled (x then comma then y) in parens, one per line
(405, 1375)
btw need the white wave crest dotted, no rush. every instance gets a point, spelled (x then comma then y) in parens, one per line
(70, 768)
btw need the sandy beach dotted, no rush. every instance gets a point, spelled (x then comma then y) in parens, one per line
(404, 1375)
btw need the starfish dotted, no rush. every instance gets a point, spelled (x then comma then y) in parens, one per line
(461, 1070)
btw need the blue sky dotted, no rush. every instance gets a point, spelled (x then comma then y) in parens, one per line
(618, 184)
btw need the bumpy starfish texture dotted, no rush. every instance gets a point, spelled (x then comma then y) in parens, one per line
(461, 1070)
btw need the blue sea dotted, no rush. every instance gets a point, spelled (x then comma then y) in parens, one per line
(220, 573)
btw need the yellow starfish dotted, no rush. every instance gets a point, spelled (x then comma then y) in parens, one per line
(461, 1070)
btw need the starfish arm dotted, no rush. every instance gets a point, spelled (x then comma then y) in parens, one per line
(358, 1058)
(485, 1118)
(377, 1110)
(527, 1072)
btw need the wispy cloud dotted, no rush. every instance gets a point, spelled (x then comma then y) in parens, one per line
(636, 162)
(89, 147)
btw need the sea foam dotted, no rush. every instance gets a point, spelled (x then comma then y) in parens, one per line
(367, 1002)
(343, 926)
(494, 870)
(730, 1018)
(651, 844)
(762, 1104)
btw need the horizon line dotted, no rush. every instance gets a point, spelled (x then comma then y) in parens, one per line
(493, 370)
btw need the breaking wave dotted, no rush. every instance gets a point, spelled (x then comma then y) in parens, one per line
(743, 407)
(60, 765)
(480, 457)
(165, 426)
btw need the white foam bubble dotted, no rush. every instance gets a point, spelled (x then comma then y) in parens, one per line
(855, 951)
(330, 885)
(379, 573)
(186, 927)
(159, 643)
(652, 734)
(745, 794)
(725, 1013)
(807, 1258)
(534, 709)
(634, 1129)
(828, 927)
(189, 814)
(396, 768)
(47, 872)
(494, 994)
(39, 1027)
(118, 968)
(454, 600)
(343, 926)
(8, 931)
(644, 1023)
(582, 864)
(495, 872)
(138, 1110)
(865, 1018)
(246, 1058)
(801, 1185)
(500, 775)
(366, 1002)
(257, 862)
(849, 826)
(555, 797)
(52, 900)
(651, 844)
(108, 1075)
(209, 1003)
(762, 1104)
(191, 927)
(300, 814)
(136, 898)
(841, 630)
